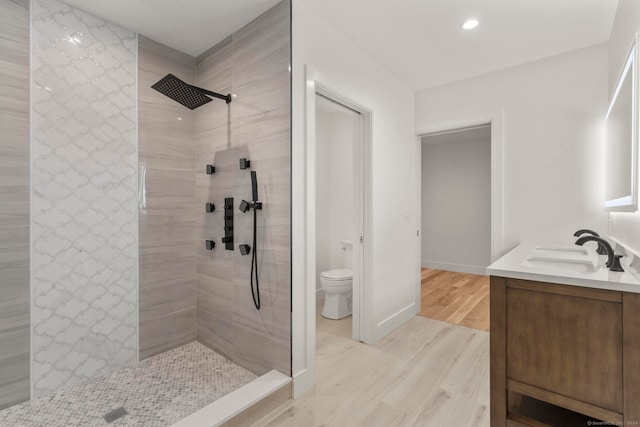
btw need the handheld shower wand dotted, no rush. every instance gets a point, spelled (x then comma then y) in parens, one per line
(254, 186)
(244, 205)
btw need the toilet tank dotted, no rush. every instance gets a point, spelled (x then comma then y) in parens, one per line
(347, 253)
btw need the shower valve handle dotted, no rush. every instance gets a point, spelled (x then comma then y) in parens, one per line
(244, 163)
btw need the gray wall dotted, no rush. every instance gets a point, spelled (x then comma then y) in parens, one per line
(14, 202)
(166, 206)
(253, 64)
(456, 201)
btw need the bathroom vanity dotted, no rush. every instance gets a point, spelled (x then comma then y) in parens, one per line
(565, 339)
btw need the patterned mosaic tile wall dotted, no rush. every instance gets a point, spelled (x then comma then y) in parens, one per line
(83, 196)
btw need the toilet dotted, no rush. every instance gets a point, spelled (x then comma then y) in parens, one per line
(337, 285)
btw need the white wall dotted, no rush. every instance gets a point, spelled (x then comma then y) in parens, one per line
(625, 25)
(344, 132)
(624, 227)
(336, 133)
(347, 69)
(456, 200)
(553, 114)
(323, 193)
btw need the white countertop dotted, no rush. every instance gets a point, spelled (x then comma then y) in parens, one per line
(589, 271)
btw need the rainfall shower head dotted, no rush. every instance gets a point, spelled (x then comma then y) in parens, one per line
(188, 95)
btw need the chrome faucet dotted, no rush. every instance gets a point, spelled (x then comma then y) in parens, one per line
(613, 260)
(580, 232)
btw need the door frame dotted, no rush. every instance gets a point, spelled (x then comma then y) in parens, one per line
(304, 332)
(359, 191)
(496, 120)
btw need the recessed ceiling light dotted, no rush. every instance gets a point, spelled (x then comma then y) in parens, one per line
(470, 24)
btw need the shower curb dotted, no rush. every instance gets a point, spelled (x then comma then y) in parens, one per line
(235, 403)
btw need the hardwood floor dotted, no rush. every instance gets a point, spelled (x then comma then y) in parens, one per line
(426, 373)
(458, 298)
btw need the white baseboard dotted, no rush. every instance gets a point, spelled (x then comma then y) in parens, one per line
(460, 268)
(393, 322)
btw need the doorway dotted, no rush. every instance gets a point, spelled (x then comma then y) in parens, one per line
(456, 223)
(456, 200)
(339, 201)
(304, 321)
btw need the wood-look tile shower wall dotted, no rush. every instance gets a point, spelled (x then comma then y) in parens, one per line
(186, 291)
(14, 202)
(253, 64)
(166, 204)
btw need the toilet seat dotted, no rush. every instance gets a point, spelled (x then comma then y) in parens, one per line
(337, 275)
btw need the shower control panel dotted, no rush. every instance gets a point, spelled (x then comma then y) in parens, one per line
(228, 224)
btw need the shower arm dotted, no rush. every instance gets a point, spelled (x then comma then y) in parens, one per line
(226, 97)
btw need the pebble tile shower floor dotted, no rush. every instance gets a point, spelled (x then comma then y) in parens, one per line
(155, 392)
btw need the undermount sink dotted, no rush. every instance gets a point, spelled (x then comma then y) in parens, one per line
(569, 265)
(559, 262)
(563, 259)
(562, 250)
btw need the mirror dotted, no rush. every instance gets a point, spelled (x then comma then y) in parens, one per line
(621, 141)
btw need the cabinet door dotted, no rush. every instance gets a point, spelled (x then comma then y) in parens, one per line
(567, 344)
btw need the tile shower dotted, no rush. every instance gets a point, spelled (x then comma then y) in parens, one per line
(102, 222)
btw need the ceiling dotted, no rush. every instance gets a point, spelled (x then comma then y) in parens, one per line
(190, 26)
(419, 41)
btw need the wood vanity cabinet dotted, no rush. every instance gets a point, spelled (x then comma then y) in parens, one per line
(573, 347)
